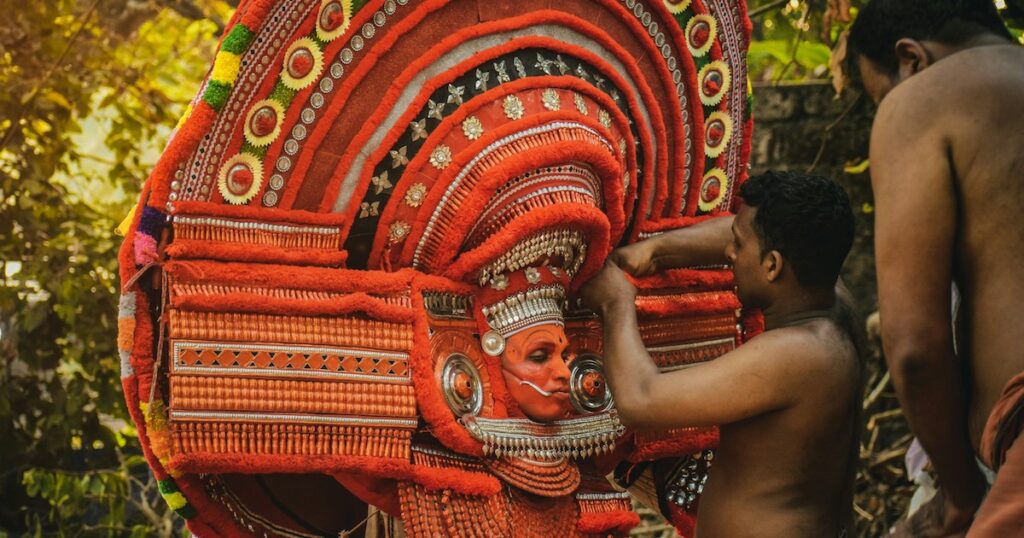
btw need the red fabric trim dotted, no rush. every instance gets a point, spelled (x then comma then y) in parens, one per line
(429, 400)
(618, 522)
(382, 493)
(452, 121)
(304, 278)
(207, 463)
(689, 280)
(179, 149)
(682, 304)
(684, 522)
(753, 323)
(467, 482)
(187, 249)
(693, 440)
(259, 214)
(341, 97)
(588, 219)
(246, 302)
(482, 29)
(605, 166)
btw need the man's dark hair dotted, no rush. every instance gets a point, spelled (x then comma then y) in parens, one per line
(806, 218)
(884, 22)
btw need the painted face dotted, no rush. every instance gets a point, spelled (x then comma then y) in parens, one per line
(536, 374)
(877, 82)
(744, 253)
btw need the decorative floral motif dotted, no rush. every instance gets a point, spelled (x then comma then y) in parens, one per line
(441, 156)
(381, 182)
(369, 209)
(713, 81)
(263, 123)
(604, 118)
(717, 132)
(303, 62)
(581, 105)
(472, 128)
(419, 129)
(513, 107)
(333, 19)
(712, 189)
(415, 195)
(676, 6)
(398, 230)
(550, 99)
(240, 179)
(399, 157)
(700, 34)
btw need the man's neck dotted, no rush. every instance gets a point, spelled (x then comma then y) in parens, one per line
(942, 50)
(799, 307)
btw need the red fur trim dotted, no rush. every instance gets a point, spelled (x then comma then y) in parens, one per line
(607, 165)
(259, 214)
(684, 522)
(179, 149)
(253, 17)
(685, 443)
(618, 522)
(246, 302)
(206, 463)
(467, 482)
(382, 493)
(430, 56)
(429, 399)
(470, 107)
(131, 397)
(302, 278)
(585, 218)
(222, 250)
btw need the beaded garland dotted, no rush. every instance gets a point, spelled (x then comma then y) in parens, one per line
(365, 199)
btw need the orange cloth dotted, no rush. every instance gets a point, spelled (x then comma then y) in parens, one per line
(1002, 512)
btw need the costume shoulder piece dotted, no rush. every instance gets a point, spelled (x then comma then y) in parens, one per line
(357, 258)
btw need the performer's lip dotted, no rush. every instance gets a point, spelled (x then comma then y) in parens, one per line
(559, 393)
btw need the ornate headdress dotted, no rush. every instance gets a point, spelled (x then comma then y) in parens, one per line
(348, 193)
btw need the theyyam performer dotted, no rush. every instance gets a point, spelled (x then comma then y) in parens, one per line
(352, 278)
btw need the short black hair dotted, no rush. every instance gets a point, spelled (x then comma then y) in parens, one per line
(882, 23)
(806, 218)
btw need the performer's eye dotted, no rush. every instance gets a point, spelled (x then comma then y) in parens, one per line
(540, 355)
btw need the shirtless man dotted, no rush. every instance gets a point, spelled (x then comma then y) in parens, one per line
(787, 401)
(947, 168)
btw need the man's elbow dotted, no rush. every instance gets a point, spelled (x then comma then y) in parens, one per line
(911, 358)
(633, 411)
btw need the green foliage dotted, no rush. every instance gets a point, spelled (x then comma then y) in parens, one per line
(90, 93)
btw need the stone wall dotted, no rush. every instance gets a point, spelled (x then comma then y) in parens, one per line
(797, 127)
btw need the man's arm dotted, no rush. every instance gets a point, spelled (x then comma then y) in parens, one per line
(915, 227)
(701, 244)
(757, 378)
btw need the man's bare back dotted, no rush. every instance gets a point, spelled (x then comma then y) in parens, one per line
(979, 139)
(788, 473)
(786, 401)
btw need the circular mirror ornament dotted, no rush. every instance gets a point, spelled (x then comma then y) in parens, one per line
(461, 386)
(493, 343)
(588, 389)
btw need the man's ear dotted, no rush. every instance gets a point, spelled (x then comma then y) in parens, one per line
(912, 57)
(772, 265)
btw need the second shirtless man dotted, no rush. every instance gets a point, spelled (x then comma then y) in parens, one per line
(787, 401)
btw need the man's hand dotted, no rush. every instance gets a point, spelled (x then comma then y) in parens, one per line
(637, 259)
(937, 518)
(608, 287)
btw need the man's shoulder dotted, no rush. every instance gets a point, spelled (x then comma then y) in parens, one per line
(807, 345)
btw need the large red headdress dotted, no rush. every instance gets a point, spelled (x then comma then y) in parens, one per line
(364, 206)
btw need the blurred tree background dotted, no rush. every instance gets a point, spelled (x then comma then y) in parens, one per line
(89, 93)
